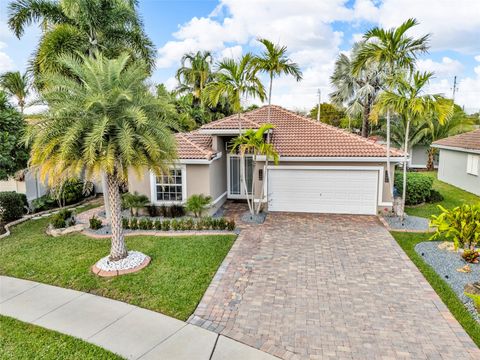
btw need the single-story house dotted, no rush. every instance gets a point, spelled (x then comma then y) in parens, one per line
(322, 169)
(460, 160)
(418, 157)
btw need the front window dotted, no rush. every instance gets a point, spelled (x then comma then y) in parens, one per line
(170, 187)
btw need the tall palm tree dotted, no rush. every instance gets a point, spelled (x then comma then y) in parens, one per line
(358, 91)
(413, 106)
(233, 81)
(274, 62)
(16, 85)
(253, 142)
(81, 26)
(194, 73)
(107, 122)
(393, 50)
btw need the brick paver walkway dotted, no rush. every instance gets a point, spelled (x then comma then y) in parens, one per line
(329, 286)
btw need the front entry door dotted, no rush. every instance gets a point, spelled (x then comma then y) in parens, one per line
(236, 189)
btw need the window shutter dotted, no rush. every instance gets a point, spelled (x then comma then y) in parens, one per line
(473, 164)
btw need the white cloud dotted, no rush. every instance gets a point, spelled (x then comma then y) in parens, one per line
(171, 83)
(454, 25)
(6, 62)
(233, 52)
(447, 67)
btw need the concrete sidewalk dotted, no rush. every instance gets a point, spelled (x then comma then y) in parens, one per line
(124, 329)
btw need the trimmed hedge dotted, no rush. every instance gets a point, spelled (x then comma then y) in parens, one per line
(12, 206)
(205, 223)
(419, 187)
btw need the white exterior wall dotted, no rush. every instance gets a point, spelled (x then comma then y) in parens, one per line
(453, 170)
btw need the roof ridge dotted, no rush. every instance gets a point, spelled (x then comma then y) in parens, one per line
(343, 131)
(457, 135)
(185, 137)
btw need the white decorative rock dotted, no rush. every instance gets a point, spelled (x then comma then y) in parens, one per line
(134, 262)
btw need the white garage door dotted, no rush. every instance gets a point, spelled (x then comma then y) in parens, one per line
(323, 191)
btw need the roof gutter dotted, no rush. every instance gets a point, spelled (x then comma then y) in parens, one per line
(397, 159)
(221, 131)
(200, 161)
(454, 148)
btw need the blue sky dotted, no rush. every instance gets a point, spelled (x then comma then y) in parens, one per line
(314, 31)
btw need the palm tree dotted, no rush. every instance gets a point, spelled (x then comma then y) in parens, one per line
(108, 122)
(16, 85)
(194, 73)
(393, 50)
(274, 62)
(233, 81)
(253, 142)
(413, 107)
(81, 26)
(358, 91)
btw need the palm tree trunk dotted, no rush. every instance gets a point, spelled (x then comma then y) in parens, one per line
(431, 154)
(118, 248)
(365, 122)
(405, 149)
(389, 172)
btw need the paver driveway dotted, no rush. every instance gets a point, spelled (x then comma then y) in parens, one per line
(329, 286)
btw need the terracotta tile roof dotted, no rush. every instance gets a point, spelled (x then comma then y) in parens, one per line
(468, 140)
(299, 136)
(194, 145)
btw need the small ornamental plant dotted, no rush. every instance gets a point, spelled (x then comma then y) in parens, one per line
(461, 225)
(95, 223)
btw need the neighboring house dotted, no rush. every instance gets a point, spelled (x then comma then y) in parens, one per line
(418, 157)
(460, 160)
(322, 168)
(27, 184)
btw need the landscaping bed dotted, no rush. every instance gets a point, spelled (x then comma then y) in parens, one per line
(410, 223)
(19, 340)
(180, 271)
(445, 263)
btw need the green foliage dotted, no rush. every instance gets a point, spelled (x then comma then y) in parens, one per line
(165, 225)
(177, 211)
(134, 223)
(419, 187)
(231, 225)
(70, 191)
(180, 224)
(329, 114)
(125, 223)
(197, 203)
(145, 224)
(16, 85)
(134, 202)
(435, 196)
(470, 256)
(476, 300)
(81, 27)
(13, 154)
(12, 206)
(61, 219)
(461, 224)
(95, 223)
(44, 202)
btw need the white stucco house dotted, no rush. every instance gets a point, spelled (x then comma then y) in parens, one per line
(322, 169)
(459, 163)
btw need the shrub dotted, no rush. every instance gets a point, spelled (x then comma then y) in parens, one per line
(125, 223)
(177, 211)
(95, 223)
(188, 224)
(157, 225)
(12, 206)
(134, 202)
(134, 223)
(145, 224)
(70, 191)
(231, 225)
(152, 210)
(163, 211)
(461, 224)
(471, 256)
(175, 225)
(165, 225)
(434, 197)
(197, 203)
(59, 220)
(419, 187)
(44, 202)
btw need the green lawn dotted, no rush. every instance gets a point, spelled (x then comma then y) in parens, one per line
(173, 284)
(408, 241)
(453, 196)
(19, 340)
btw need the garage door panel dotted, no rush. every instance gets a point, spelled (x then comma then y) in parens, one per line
(323, 191)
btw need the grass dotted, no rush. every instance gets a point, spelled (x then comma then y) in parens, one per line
(408, 241)
(173, 284)
(453, 197)
(19, 340)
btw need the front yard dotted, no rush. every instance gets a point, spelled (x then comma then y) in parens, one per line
(22, 341)
(453, 197)
(180, 272)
